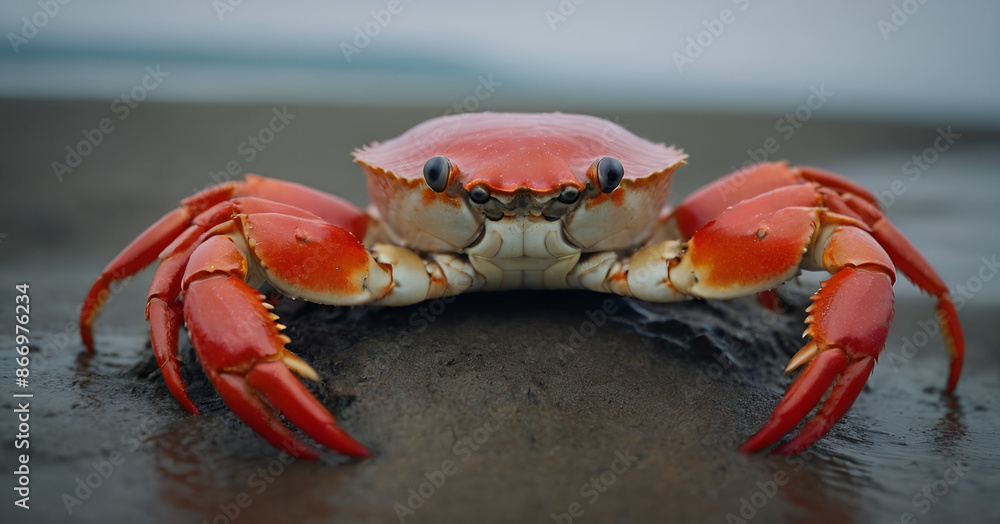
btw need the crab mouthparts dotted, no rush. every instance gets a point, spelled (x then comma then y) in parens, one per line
(523, 202)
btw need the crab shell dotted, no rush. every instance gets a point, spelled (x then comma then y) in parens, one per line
(524, 161)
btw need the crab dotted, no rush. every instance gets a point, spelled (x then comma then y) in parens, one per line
(503, 201)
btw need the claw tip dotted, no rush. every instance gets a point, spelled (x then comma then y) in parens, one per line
(807, 353)
(299, 366)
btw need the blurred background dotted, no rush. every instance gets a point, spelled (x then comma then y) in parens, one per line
(888, 61)
(112, 111)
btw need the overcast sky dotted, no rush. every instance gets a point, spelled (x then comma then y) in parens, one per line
(889, 60)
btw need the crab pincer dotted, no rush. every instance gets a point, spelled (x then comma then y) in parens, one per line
(251, 369)
(201, 282)
(849, 319)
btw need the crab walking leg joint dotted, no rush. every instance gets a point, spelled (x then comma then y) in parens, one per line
(517, 201)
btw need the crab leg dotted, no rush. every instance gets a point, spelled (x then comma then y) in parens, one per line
(211, 257)
(843, 197)
(175, 238)
(707, 203)
(147, 246)
(163, 304)
(164, 313)
(235, 335)
(909, 261)
(138, 254)
(756, 245)
(850, 316)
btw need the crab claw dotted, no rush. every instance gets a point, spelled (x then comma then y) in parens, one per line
(909, 261)
(849, 323)
(242, 350)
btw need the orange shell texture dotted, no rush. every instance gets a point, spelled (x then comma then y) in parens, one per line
(541, 152)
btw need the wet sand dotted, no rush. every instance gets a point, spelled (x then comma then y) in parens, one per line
(492, 409)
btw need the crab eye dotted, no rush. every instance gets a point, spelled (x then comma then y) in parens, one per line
(569, 195)
(436, 172)
(609, 173)
(479, 195)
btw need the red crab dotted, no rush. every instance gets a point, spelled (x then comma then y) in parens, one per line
(484, 202)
